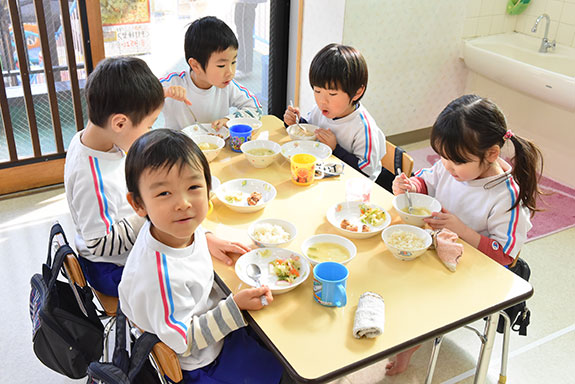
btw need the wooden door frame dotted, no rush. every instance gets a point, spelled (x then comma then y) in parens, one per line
(49, 172)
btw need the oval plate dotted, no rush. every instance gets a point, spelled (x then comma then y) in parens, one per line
(350, 211)
(206, 129)
(242, 189)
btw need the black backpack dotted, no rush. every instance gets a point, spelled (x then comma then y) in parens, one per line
(66, 332)
(519, 314)
(126, 368)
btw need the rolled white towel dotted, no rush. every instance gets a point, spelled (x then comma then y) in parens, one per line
(370, 316)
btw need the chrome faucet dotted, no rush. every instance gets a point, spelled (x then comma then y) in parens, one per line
(545, 43)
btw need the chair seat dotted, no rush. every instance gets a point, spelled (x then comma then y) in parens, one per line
(109, 303)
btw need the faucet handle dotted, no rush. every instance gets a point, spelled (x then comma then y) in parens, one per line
(553, 45)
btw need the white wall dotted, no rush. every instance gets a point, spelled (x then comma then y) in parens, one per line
(322, 24)
(412, 52)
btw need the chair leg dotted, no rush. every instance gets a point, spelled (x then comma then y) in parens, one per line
(433, 359)
(156, 367)
(486, 349)
(505, 350)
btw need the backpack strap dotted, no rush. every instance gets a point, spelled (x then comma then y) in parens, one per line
(140, 352)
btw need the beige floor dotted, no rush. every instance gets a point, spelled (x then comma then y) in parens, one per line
(544, 356)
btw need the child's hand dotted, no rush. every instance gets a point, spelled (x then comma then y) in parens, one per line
(219, 123)
(220, 248)
(446, 219)
(177, 92)
(327, 137)
(249, 299)
(291, 115)
(401, 183)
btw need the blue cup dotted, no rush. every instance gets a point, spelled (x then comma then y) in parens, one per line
(239, 134)
(329, 283)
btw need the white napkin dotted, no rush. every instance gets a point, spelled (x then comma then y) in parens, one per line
(369, 316)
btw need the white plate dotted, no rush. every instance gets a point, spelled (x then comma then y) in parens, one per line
(243, 188)
(206, 128)
(215, 183)
(319, 150)
(350, 211)
(263, 257)
(254, 123)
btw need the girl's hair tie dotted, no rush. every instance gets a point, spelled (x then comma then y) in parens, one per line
(508, 135)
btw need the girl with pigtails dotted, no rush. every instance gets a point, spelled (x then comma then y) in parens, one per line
(486, 201)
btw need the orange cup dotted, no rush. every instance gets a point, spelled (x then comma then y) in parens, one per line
(302, 168)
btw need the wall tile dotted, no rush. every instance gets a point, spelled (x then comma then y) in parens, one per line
(565, 34)
(483, 26)
(568, 14)
(497, 24)
(472, 8)
(470, 27)
(485, 9)
(554, 9)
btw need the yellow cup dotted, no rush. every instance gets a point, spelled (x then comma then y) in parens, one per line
(302, 168)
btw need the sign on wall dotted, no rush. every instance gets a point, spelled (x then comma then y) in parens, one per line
(126, 27)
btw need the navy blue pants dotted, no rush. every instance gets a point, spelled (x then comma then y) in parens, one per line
(103, 277)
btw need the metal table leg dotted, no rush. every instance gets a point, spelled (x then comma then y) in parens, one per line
(433, 359)
(486, 348)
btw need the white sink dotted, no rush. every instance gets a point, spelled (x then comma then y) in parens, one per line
(513, 60)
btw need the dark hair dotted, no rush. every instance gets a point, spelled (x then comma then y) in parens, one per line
(206, 36)
(122, 85)
(338, 66)
(163, 148)
(470, 125)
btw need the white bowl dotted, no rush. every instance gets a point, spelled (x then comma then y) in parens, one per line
(209, 153)
(260, 161)
(328, 238)
(285, 225)
(419, 200)
(319, 150)
(206, 129)
(254, 123)
(403, 254)
(295, 133)
(242, 189)
(351, 211)
(263, 257)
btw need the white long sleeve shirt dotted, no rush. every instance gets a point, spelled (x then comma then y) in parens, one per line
(170, 292)
(358, 134)
(207, 104)
(483, 205)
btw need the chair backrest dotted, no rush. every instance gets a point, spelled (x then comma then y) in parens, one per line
(388, 161)
(167, 362)
(76, 275)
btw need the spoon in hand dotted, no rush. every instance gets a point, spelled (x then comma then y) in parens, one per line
(254, 272)
(409, 203)
(297, 120)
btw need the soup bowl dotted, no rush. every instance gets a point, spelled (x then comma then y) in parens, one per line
(401, 250)
(419, 200)
(203, 141)
(310, 244)
(261, 160)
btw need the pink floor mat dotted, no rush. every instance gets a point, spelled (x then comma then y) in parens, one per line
(558, 201)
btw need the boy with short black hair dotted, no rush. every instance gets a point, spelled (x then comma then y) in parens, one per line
(124, 98)
(338, 75)
(168, 287)
(207, 91)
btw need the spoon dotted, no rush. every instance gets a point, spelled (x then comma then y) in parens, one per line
(192, 112)
(297, 120)
(254, 272)
(409, 203)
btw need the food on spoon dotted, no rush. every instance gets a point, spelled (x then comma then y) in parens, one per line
(327, 251)
(254, 198)
(287, 270)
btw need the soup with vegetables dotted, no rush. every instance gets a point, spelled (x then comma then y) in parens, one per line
(328, 252)
(261, 152)
(418, 211)
(207, 146)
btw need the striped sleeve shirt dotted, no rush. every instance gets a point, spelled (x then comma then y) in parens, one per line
(170, 292)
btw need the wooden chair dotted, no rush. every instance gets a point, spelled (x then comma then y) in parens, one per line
(388, 161)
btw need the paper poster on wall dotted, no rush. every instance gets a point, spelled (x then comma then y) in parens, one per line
(126, 26)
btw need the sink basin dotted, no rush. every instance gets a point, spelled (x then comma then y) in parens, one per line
(513, 60)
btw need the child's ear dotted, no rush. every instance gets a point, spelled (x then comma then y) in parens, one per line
(195, 65)
(358, 93)
(493, 153)
(139, 208)
(118, 122)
